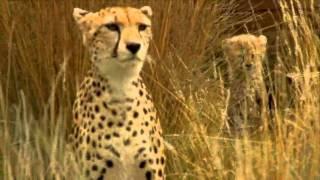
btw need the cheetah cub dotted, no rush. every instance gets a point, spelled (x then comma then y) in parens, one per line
(116, 134)
(245, 54)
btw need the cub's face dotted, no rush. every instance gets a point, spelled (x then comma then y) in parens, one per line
(245, 52)
(116, 35)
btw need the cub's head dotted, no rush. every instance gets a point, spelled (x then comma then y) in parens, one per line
(245, 51)
(117, 36)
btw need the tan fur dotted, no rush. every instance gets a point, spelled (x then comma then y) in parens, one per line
(245, 54)
(117, 134)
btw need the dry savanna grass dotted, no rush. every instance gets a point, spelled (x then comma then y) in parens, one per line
(43, 61)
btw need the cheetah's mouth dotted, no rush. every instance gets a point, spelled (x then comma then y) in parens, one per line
(130, 59)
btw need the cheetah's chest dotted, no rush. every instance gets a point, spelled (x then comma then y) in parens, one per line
(112, 119)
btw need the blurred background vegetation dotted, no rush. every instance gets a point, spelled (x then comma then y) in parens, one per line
(42, 62)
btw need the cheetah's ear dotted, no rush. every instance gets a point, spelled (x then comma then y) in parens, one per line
(78, 14)
(146, 10)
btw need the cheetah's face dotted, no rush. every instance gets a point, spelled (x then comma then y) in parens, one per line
(245, 51)
(116, 36)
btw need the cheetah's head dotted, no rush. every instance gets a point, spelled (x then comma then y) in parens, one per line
(117, 37)
(246, 51)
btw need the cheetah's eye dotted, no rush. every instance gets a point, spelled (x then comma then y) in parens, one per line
(142, 27)
(112, 26)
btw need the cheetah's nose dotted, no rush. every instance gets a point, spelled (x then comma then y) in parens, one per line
(248, 65)
(133, 47)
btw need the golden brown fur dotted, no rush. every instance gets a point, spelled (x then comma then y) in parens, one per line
(245, 54)
(117, 134)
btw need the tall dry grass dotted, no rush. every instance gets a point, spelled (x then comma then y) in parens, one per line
(42, 62)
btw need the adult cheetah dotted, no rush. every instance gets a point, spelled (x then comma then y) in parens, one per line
(245, 54)
(116, 135)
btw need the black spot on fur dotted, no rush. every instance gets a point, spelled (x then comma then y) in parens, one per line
(110, 124)
(88, 156)
(150, 161)
(109, 163)
(105, 105)
(107, 136)
(120, 124)
(93, 129)
(114, 112)
(162, 160)
(140, 150)
(155, 149)
(126, 142)
(145, 111)
(135, 83)
(158, 142)
(103, 170)
(94, 144)
(140, 92)
(100, 125)
(98, 93)
(94, 167)
(102, 118)
(97, 109)
(148, 175)
(135, 114)
(98, 156)
(134, 134)
(142, 164)
(115, 134)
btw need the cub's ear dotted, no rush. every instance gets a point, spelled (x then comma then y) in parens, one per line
(78, 14)
(225, 43)
(146, 10)
(263, 39)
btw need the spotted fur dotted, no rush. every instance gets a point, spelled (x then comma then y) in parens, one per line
(245, 54)
(116, 134)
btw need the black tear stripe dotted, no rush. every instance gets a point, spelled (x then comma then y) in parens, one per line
(115, 50)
